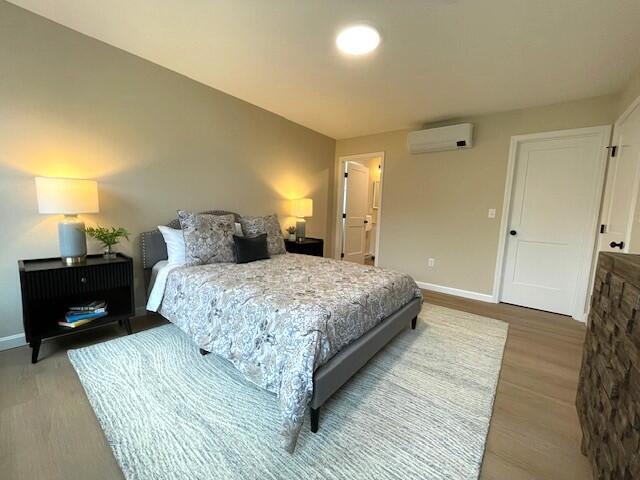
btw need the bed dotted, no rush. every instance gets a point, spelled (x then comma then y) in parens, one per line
(296, 325)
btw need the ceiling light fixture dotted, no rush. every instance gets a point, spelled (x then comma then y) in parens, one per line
(358, 39)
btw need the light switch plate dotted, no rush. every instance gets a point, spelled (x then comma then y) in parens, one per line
(492, 213)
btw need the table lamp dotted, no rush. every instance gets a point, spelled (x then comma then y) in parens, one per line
(69, 197)
(301, 208)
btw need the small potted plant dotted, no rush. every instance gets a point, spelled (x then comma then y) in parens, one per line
(108, 237)
(291, 230)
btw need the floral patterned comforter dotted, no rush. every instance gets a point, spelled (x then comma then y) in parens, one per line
(278, 320)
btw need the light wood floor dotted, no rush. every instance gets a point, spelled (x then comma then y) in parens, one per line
(48, 430)
(534, 431)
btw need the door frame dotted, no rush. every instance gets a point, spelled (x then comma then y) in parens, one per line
(337, 249)
(588, 254)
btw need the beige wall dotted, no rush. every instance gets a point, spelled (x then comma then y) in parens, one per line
(155, 141)
(630, 92)
(435, 205)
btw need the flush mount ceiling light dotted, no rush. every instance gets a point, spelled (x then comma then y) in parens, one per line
(358, 39)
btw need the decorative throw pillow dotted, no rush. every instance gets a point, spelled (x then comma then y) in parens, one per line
(207, 238)
(269, 224)
(175, 244)
(250, 249)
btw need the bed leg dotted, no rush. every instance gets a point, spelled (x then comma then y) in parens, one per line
(413, 323)
(315, 419)
(203, 352)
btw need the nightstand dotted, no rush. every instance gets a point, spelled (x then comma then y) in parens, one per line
(49, 287)
(308, 246)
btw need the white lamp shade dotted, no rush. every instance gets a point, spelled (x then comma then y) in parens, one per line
(302, 207)
(68, 196)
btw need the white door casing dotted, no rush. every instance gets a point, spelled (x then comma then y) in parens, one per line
(340, 182)
(356, 208)
(552, 199)
(621, 188)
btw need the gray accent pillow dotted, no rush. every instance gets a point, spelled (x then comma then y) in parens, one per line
(207, 238)
(269, 224)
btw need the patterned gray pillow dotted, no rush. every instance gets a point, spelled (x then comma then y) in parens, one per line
(269, 224)
(207, 238)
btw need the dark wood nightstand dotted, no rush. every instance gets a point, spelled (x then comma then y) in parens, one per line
(49, 287)
(308, 246)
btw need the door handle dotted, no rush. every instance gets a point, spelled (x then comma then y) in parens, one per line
(513, 233)
(366, 221)
(619, 245)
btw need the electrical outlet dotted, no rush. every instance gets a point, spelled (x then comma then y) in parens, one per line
(492, 213)
(431, 262)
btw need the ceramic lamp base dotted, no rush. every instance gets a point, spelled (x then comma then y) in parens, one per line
(72, 240)
(300, 229)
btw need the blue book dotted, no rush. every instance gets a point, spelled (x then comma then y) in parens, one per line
(73, 313)
(93, 306)
(74, 316)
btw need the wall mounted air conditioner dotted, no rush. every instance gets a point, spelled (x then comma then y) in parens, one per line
(453, 137)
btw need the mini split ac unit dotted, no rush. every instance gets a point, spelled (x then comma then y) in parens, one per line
(452, 137)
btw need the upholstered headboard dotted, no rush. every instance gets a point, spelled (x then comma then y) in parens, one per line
(154, 249)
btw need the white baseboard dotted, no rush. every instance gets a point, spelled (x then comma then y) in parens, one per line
(581, 318)
(483, 297)
(12, 341)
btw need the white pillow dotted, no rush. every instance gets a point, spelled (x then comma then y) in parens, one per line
(174, 239)
(238, 230)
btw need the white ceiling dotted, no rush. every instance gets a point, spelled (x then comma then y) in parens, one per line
(438, 59)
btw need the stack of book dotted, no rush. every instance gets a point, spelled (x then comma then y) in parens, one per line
(84, 313)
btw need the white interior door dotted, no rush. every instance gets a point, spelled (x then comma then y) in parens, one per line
(621, 191)
(555, 196)
(355, 209)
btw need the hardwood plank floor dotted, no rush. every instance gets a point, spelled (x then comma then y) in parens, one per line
(534, 431)
(49, 431)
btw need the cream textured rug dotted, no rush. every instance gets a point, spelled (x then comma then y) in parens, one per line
(420, 409)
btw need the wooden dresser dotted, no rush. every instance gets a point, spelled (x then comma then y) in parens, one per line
(608, 399)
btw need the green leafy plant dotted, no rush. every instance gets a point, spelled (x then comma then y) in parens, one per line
(291, 229)
(107, 236)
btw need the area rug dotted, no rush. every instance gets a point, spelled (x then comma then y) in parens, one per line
(419, 409)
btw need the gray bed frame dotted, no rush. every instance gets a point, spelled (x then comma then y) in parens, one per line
(339, 369)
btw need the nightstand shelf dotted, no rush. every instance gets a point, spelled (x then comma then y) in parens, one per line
(58, 331)
(308, 246)
(49, 287)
